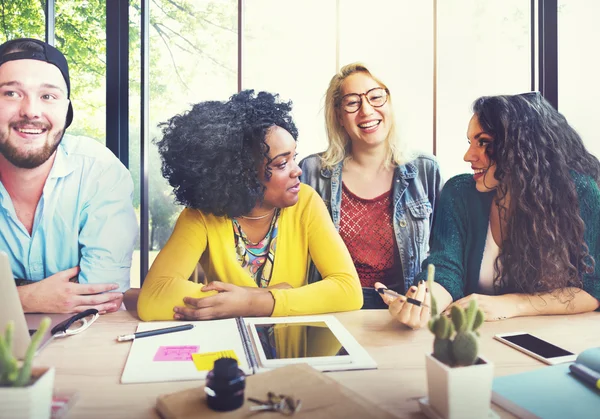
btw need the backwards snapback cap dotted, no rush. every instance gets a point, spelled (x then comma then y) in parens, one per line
(48, 54)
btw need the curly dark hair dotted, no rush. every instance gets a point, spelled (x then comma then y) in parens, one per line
(211, 155)
(535, 151)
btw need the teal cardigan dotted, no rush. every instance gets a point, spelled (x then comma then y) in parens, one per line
(460, 229)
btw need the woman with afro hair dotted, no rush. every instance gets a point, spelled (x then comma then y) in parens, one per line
(248, 221)
(521, 236)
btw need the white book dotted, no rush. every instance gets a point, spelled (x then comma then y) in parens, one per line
(260, 344)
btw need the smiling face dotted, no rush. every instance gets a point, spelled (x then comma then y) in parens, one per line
(369, 126)
(33, 110)
(478, 154)
(283, 186)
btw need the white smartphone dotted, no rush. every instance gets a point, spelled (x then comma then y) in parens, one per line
(536, 347)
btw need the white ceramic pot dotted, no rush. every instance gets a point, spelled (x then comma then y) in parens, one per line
(31, 402)
(459, 392)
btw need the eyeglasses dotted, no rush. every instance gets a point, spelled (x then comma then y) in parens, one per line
(76, 324)
(377, 97)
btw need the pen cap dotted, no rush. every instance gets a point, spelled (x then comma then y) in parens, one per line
(227, 383)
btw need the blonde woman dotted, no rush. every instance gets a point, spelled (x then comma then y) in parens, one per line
(381, 201)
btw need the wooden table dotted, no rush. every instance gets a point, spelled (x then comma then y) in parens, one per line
(91, 363)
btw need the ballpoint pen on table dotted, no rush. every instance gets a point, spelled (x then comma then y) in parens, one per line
(155, 332)
(394, 294)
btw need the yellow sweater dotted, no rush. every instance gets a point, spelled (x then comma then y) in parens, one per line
(305, 231)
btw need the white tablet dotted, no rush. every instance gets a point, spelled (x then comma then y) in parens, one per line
(320, 341)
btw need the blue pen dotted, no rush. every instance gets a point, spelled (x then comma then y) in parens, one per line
(124, 338)
(585, 374)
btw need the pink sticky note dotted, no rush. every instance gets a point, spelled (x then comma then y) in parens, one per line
(175, 353)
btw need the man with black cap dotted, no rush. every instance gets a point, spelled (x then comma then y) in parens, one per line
(66, 218)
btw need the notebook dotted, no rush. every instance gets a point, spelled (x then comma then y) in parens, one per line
(550, 392)
(259, 344)
(322, 398)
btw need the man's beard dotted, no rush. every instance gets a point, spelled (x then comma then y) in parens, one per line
(33, 158)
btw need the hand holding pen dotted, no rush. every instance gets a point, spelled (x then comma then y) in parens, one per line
(411, 309)
(394, 294)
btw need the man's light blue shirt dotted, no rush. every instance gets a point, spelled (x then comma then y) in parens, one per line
(84, 218)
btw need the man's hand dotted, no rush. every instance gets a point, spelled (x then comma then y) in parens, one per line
(231, 301)
(406, 313)
(56, 294)
(494, 307)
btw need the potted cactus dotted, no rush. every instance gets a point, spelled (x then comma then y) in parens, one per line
(459, 381)
(25, 392)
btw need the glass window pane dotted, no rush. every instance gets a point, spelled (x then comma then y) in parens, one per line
(579, 66)
(483, 49)
(134, 126)
(285, 54)
(22, 19)
(81, 36)
(193, 57)
(396, 44)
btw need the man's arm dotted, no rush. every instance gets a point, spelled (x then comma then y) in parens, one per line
(57, 294)
(108, 228)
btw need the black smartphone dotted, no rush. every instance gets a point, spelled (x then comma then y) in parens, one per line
(536, 347)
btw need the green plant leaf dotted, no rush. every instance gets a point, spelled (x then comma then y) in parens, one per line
(441, 326)
(479, 319)
(25, 372)
(449, 330)
(442, 351)
(471, 313)
(458, 318)
(465, 348)
(431, 325)
(430, 280)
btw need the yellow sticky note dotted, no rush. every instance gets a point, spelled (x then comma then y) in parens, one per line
(206, 360)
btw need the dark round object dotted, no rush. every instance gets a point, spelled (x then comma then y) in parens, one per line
(227, 383)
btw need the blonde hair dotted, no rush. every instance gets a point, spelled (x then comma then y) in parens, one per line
(339, 147)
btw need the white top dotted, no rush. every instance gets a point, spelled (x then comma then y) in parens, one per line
(487, 271)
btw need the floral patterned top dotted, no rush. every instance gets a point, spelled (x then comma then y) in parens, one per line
(257, 258)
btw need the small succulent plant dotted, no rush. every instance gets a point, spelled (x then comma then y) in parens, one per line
(456, 338)
(12, 373)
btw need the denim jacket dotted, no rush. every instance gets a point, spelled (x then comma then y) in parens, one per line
(416, 188)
